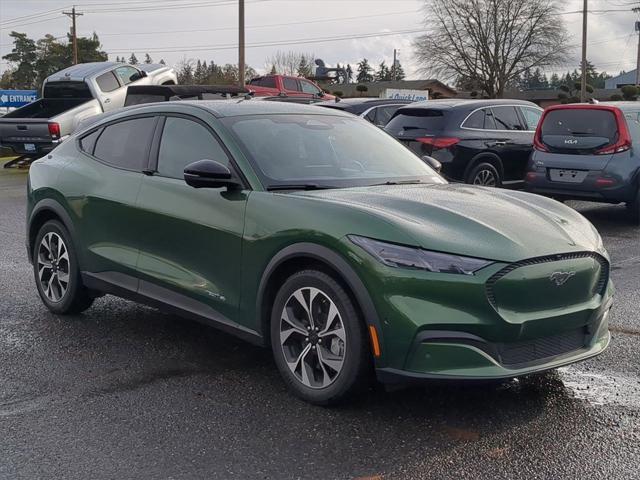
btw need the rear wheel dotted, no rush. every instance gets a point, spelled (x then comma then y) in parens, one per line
(634, 209)
(55, 267)
(484, 174)
(318, 339)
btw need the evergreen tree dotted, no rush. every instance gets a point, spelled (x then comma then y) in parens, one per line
(147, 58)
(24, 56)
(383, 74)
(554, 81)
(162, 61)
(349, 73)
(31, 62)
(133, 60)
(273, 70)
(304, 68)
(399, 71)
(364, 72)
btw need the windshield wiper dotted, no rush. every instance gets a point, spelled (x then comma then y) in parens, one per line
(299, 186)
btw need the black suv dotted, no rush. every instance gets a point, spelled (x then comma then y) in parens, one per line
(483, 142)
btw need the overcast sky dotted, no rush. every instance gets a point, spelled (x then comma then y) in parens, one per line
(206, 29)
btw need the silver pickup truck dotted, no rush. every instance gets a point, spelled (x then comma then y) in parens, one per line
(69, 97)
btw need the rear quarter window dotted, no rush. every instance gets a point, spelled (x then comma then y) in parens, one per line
(126, 144)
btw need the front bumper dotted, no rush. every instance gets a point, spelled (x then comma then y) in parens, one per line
(465, 361)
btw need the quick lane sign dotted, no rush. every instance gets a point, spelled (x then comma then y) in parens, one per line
(17, 98)
(405, 94)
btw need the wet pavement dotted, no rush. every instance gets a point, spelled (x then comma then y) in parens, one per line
(126, 391)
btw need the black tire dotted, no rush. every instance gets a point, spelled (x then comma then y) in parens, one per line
(76, 298)
(634, 209)
(355, 373)
(484, 174)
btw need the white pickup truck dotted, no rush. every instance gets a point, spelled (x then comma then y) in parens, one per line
(69, 97)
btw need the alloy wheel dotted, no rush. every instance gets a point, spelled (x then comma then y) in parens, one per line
(53, 266)
(312, 337)
(486, 178)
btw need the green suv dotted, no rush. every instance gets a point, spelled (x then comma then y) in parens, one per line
(314, 233)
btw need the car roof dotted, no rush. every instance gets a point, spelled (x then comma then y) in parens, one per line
(467, 104)
(351, 102)
(83, 70)
(233, 108)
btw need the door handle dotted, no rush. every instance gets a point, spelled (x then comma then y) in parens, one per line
(500, 143)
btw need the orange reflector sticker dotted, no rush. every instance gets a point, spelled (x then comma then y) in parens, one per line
(374, 341)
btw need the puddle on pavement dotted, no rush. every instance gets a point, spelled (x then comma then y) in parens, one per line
(599, 389)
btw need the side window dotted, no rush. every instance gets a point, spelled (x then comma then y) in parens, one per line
(371, 116)
(186, 141)
(126, 144)
(309, 88)
(127, 74)
(107, 82)
(269, 82)
(475, 120)
(290, 84)
(506, 118)
(88, 142)
(531, 116)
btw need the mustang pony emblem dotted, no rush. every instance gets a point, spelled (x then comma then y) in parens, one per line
(560, 278)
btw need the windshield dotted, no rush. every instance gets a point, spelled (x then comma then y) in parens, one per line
(326, 151)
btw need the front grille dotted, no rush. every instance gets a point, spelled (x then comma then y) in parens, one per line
(600, 286)
(527, 351)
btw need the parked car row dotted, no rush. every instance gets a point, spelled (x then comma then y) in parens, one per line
(315, 234)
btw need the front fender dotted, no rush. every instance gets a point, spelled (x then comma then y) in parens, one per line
(337, 263)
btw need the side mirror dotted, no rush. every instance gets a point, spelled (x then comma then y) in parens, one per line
(432, 162)
(209, 174)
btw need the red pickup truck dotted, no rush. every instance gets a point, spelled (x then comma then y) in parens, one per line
(273, 85)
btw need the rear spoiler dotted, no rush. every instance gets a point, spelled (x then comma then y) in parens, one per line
(139, 94)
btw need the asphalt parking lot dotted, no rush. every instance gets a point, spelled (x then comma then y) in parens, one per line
(126, 391)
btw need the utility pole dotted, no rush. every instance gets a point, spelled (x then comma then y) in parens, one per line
(583, 83)
(395, 55)
(241, 67)
(74, 35)
(637, 10)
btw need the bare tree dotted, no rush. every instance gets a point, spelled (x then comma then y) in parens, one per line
(490, 42)
(288, 63)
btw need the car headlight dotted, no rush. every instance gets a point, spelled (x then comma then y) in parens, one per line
(412, 257)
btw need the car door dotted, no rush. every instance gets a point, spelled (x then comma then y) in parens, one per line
(108, 86)
(511, 141)
(192, 236)
(310, 89)
(292, 87)
(127, 75)
(114, 157)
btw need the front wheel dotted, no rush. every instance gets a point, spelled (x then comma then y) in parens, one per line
(55, 267)
(484, 174)
(318, 339)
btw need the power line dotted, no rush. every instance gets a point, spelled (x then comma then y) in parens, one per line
(195, 48)
(358, 17)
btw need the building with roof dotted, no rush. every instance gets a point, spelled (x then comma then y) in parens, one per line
(627, 78)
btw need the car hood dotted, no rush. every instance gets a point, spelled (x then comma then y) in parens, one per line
(482, 222)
